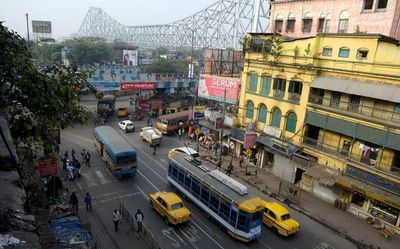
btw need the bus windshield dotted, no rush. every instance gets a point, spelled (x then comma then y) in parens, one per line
(163, 121)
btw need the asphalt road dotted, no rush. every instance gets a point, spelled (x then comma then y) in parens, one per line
(152, 170)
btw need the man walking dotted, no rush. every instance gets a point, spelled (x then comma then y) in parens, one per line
(154, 148)
(229, 169)
(219, 164)
(83, 153)
(241, 159)
(139, 218)
(73, 154)
(88, 201)
(73, 199)
(87, 157)
(116, 219)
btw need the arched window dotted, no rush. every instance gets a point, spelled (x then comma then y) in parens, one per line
(307, 22)
(262, 114)
(344, 52)
(291, 21)
(328, 23)
(278, 23)
(343, 21)
(327, 51)
(321, 23)
(362, 53)
(253, 80)
(276, 118)
(250, 110)
(291, 121)
(265, 85)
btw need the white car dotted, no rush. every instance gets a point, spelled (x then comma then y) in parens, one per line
(126, 125)
(184, 150)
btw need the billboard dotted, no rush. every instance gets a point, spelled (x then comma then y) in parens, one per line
(42, 27)
(222, 62)
(132, 86)
(213, 87)
(130, 57)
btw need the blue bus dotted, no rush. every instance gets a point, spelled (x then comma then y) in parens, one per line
(222, 198)
(118, 154)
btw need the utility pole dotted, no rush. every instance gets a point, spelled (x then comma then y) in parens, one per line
(222, 128)
(27, 28)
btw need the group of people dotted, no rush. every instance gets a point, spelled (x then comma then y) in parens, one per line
(73, 166)
(73, 200)
(138, 217)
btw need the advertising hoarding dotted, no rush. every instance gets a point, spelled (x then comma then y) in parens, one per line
(131, 86)
(41, 27)
(213, 87)
(222, 62)
(130, 57)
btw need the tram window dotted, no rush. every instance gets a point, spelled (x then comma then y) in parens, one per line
(175, 172)
(187, 182)
(205, 195)
(242, 221)
(224, 210)
(170, 169)
(214, 203)
(181, 177)
(233, 217)
(195, 188)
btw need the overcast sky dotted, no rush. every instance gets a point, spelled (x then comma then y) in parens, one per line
(67, 15)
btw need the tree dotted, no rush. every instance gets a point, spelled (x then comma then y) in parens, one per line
(36, 101)
(47, 53)
(88, 50)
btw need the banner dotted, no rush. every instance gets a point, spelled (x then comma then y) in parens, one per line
(132, 86)
(249, 140)
(213, 87)
(42, 27)
(199, 111)
(130, 57)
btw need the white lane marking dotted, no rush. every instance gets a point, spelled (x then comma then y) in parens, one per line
(147, 179)
(163, 160)
(265, 245)
(179, 237)
(191, 239)
(143, 193)
(117, 197)
(101, 177)
(110, 174)
(162, 178)
(211, 238)
(91, 182)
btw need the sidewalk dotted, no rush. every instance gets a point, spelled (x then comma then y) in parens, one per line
(344, 223)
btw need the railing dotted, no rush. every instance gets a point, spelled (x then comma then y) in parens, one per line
(367, 162)
(279, 94)
(359, 108)
(295, 97)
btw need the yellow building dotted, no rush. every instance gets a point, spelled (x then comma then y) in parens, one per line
(337, 98)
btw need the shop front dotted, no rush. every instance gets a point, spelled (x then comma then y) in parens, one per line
(371, 199)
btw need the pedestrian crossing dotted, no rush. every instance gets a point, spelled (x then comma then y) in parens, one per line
(97, 177)
(324, 245)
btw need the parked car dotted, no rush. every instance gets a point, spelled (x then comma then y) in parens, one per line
(184, 150)
(122, 111)
(126, 125)
(278, 218)
(170, 207)
(152, 135)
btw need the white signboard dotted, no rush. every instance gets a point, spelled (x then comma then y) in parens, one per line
(272, 131)
(130, 57)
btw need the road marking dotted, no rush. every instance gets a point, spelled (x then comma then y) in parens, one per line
(143, 193)
(162, 178)
(163, 160)
(211, 238)
(147, 179)
(91, 182)
(117, 197)
(179, 237)
(101, 177)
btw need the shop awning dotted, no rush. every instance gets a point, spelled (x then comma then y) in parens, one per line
(377, 90)
(207, 125)
(277, 145)
(323, 175)
(369, 190)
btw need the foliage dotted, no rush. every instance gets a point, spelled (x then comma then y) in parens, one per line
(276, 46)
(36, 101)
(308, 49)
(89, 50)
(246, 43)
(47, 53)
(167, 66)
(296, 52)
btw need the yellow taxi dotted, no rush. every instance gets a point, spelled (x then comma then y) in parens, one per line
(278, 218)
(122, 111)
(170, 207)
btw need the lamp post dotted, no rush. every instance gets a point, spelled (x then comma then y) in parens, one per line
(27, 27)
(222, 128)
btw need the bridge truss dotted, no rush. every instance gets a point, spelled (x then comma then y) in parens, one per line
(221, 25)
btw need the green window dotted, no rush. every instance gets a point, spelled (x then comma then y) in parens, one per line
(262, 114)
(291, 122)
(253, 82)
(250, 110)
(276, 118)
(265, 85)
(344, 52)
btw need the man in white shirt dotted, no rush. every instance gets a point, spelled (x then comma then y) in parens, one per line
(116, 219)
(139, 218)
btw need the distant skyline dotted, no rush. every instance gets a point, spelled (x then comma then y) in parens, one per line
(66, 16)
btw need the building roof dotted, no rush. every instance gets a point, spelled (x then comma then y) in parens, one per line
(370, 89)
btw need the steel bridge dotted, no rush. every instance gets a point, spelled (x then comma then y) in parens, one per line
(221, 25)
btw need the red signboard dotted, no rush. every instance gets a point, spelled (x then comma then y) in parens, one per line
(132, 86)
(213, 87)
(144, 105)
(249, 140)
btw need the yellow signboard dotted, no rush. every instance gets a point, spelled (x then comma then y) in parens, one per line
(197, 132)
(248, 152)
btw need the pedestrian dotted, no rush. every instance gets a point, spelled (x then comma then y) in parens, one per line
(66, 154)
(70, 170)
(139, 218)
(230, 168)
(148, 120)
(241, 159)
(73, 154)
(83, 153)
(88, 201)
(219, 164)
(77, 165)
(73, 199)
(87, 158)
(154, 149)
(116, 219)
(180, 133)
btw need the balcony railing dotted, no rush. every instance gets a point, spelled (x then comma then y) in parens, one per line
(295, 97)
(359, 108)
(335, 150)
(279, 94)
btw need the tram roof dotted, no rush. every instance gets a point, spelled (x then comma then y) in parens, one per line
(205, 177)
(113, 140)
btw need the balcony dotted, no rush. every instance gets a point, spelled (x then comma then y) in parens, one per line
(278, 94)
(294, 97)
(357, 110)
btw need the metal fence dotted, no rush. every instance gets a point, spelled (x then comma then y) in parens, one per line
(145, 233)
